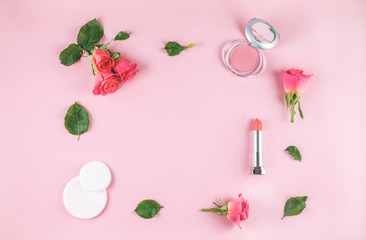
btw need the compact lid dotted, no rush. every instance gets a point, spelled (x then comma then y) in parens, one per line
(261, 34)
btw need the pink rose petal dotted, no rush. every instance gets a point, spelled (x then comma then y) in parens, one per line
(303, 80)
(294, 71)
(234, 206)
(234, 217)
(289, 82)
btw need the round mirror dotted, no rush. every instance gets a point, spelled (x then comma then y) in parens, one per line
(261, 34)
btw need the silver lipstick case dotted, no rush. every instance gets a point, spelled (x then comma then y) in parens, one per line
(257, 154)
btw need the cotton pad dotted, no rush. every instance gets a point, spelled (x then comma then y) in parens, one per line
(95, 176)
(81, 203)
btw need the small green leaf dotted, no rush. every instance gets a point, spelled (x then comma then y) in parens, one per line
(71, 54)
(148, 208)
(300, 111)
(114, 55)
(294, 206)
(77, 120)
(122, 36)
(90, 34)
(173, 48)
(294, 152)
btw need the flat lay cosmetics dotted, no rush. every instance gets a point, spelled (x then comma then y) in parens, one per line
(257, 153)
(243, 57)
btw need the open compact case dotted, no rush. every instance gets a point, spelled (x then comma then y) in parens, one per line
(243, 57)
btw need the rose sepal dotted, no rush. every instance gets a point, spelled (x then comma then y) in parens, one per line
(291, 100)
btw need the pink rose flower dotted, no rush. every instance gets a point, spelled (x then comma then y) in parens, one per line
(294, 82)
(236, 211)
(108, 83)
(125, 69)
(102, 61)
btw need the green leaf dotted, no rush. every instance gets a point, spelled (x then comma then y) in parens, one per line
(114, 55)
(173, 48)
(122, 36)
(300, 111)
(294, 206)
(294, 152)
(77, 120)
(90, 34)
(71, 54)
(148, 208)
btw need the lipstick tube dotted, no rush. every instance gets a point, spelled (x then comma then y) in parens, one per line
(257, 153)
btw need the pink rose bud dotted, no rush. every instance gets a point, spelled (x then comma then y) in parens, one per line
(125, 69)
(108, 83)
(102, 61)
(294, 82)
(236, 211)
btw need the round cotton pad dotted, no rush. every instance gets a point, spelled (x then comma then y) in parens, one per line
(95, 176)
(82, 203)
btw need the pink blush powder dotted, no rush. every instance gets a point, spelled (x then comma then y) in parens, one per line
(244, 58)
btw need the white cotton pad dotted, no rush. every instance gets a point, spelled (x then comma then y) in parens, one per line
(95, 176)
(82, 203)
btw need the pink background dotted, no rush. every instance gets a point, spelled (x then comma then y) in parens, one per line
(179, 131)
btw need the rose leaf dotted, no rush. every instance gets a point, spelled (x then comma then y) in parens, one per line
(294, 152)
(294, 206)
(122, 36)
(77, 120)
(174, 48)
(70, 55)
(90, 34)
(148, 208)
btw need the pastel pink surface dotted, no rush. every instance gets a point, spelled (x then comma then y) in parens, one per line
(180, 131)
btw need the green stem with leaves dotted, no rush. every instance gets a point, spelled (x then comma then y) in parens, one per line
(221, 210)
